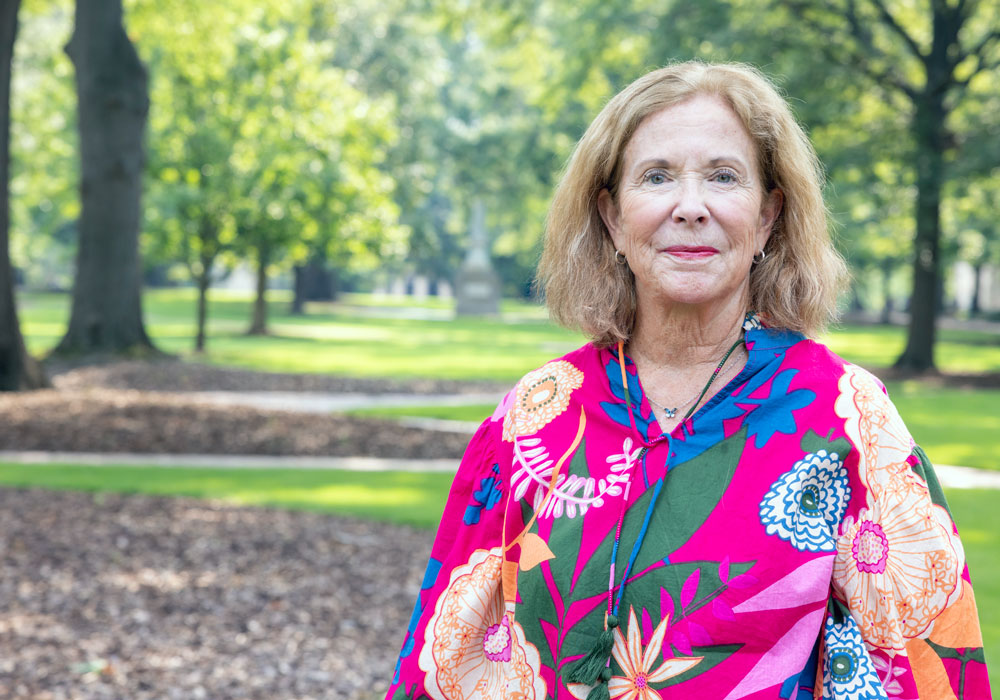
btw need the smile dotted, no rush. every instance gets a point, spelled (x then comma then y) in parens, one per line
(685, 252)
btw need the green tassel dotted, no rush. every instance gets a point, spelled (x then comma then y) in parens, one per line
(599, 692)
(588, 669)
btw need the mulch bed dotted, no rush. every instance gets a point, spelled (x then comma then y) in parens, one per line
(140, 406)
(106, 420)
(172, 375)
(139, 597)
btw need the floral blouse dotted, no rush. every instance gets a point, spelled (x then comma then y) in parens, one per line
(789, 540)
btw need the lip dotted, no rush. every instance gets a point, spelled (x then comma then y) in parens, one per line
(691, 252)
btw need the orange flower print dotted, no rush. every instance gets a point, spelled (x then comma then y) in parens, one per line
(899, 563)
(896, 575)
(875, 428)
(472, 650)
(638, 665)
(541, 396)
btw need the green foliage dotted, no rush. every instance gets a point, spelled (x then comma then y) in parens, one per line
(260, 145)
(44, 163)
(367, 129)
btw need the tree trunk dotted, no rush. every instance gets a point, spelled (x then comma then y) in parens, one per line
(113, 99)
(887, 306)
(314, 281)
(929, 130)
(203, 282)
(259, 324)
(977, 289)
(298, 290)
(208, 233)
(17, 369)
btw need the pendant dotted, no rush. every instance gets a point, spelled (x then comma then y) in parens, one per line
(669, 412)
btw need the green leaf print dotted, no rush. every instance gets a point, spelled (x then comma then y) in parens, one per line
(691, 491)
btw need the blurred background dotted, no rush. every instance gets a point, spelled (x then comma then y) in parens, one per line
(265, 265)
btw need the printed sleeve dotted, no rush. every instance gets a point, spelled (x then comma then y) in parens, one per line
(462, 571)
(903, 620)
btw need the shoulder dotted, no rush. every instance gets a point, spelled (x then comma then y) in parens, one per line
(814, 362)
(546, 392)
(565, 373)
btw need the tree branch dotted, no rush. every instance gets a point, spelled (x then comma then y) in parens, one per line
(848, 54)
(979, 53)
(891, 22)
(982, 46)
(865, 60)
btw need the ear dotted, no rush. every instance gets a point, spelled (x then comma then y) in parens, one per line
(770, 208)
(609, 214)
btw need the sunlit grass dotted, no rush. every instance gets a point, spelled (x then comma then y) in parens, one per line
(366, 335)
(400, 497)
(978, 520)
(341, 338)
(470, 413)
(954, 426)
(879, 346)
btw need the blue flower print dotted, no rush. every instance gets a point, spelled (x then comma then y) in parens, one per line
(485, 497)
(430, 578)
(776, 411)
(806, 504)
(618, 411)
(848, 672)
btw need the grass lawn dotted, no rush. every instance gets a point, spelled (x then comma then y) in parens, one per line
(406, 498)
(349, 338)
(418, 499)
(362, 335)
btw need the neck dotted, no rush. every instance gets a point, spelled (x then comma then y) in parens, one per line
(681, 337)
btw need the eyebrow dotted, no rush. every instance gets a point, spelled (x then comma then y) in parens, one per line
(727, 159)
(714, 162)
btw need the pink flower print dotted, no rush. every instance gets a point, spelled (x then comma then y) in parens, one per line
(870, 548)
(496, 643)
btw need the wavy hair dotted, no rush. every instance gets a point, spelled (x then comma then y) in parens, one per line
(797, 284)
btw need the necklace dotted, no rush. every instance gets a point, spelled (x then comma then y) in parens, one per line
(671, 412)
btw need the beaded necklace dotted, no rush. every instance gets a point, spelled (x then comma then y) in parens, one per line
(671, 412)
(594, 669)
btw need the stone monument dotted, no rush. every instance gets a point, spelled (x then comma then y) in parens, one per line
(477, 287)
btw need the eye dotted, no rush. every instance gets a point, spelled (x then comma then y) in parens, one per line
(655, 177)
(725, 177)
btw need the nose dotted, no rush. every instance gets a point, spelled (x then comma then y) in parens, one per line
(690, 205)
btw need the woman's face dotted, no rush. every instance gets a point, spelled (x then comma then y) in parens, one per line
(691, 210)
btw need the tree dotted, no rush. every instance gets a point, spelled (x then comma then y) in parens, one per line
(926, 60)
(261, 148)
(309, 157)
(106, 312)
(17, 369)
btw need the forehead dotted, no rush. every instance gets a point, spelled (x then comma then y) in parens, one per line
(700, 126)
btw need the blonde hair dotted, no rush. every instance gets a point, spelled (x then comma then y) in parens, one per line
(797, 284)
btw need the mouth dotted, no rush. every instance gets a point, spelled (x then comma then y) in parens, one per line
(691, 252)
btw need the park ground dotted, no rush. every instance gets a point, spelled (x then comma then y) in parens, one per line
(221, 582)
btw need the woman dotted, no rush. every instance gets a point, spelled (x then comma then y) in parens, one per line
(701, 502)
